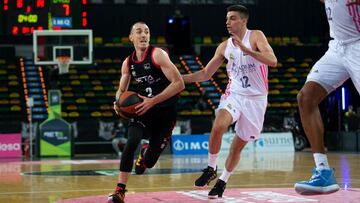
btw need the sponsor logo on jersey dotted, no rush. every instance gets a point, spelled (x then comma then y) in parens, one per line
(243, 69)
(232, 57)
(147, 66)
(315, 71)
(147, 78)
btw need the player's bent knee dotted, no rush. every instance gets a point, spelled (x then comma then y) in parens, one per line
(300, 97)
(218, 129)
(305, 101)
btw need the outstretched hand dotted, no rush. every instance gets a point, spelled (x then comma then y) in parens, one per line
(145, 105)
(238, 43)
(352, 2)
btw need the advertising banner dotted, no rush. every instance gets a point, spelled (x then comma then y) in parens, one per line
(226, 144)
(189, 144)
(199, 144)
(275, 142)
(10, 145)
(55, 137)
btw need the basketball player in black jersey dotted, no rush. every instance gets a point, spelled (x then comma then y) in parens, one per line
(158, 83)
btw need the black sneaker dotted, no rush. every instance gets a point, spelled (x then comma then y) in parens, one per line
(140, 162)
(208, 175)
(118, 196)
(217, 190)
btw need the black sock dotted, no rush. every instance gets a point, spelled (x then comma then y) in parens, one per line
(123, 186)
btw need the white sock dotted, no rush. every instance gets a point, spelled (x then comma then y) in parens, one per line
(225, 175)
(321, 161)
(212, 160)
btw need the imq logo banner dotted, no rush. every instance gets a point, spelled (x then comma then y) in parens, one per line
(64, 22)
(189, 144)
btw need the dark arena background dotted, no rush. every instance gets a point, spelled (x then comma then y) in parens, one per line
(59, 134)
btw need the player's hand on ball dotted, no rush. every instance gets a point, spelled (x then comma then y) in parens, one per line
(117, 110)
(145, 105)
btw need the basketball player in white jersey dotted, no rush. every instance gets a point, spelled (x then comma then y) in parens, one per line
(245, 99)
(339, 63)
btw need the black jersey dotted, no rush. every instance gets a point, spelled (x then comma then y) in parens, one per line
(148, 78)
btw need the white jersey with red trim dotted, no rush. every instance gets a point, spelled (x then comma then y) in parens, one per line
(247, 76)
(344, 21)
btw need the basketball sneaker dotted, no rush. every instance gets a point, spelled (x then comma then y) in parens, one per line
(208, 175)
(140, 166)
(217, 190)
(321, 181)
(118, 196)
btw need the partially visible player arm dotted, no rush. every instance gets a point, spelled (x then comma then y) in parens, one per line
(264, 52)
(211, 67)
(123, 84)
(171, 73)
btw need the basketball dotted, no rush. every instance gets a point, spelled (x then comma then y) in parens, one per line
(128, 101)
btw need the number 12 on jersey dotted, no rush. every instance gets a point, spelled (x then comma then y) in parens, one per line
(245, 81)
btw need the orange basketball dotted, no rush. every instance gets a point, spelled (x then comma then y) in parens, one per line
(128, 101)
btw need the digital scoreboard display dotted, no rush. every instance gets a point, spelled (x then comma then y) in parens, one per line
(22, 17)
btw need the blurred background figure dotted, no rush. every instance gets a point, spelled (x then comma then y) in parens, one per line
(201, 104)
(351, 119)
(118, 137)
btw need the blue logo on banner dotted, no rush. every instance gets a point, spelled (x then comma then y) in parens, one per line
(65, 22)
(190, 144)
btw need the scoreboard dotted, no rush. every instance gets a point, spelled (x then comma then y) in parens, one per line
(22, 17)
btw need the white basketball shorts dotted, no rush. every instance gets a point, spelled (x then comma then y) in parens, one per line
(340, 62)
(248, 113)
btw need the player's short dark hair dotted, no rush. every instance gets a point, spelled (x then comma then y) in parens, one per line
(242, 10)
(140, 22)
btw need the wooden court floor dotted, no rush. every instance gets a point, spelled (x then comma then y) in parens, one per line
(54, 180)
